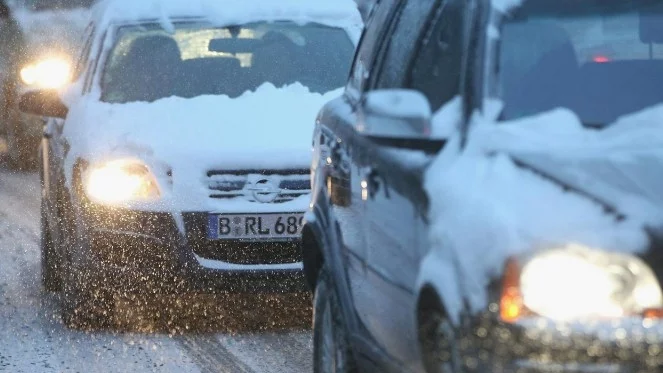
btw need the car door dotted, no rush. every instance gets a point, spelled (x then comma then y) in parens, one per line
(344, 157)
(395, 212)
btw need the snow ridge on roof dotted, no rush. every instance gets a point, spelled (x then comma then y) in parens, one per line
(339, 13)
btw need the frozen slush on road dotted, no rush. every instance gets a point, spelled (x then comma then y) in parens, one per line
(178, 159)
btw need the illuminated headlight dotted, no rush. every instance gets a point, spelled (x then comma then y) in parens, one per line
(582, 283)
(120, 181)
(48, 73)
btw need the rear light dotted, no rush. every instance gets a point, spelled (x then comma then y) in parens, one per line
(511, 300)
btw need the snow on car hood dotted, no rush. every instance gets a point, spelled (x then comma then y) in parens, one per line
(270, 128)
(486, 207)
(53, 31)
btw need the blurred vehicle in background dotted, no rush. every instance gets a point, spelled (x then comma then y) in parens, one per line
(178, 160)
(38, 39)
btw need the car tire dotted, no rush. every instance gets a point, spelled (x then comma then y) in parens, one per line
(85, 304)
(438, 342)
(87, 300)
(50, 260)
(331, 346)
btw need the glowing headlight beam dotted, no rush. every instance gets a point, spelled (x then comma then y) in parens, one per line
(49, 73)
(579, 283)
(120, 181)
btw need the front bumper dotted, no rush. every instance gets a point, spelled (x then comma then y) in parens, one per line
(536, 345)
(134, 249)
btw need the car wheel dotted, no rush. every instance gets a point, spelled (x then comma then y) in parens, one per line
(438, 342)
(331, 347)
(50, 261)
(85, 304)
(87, 300)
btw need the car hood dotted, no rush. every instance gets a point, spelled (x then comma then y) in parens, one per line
(544, 182)
(620, 166)
(270, 128)
(53, 31)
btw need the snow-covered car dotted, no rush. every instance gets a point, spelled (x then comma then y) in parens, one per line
(487, 194)
(179, 159)
(37, 41)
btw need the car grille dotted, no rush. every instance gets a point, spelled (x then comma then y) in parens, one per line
(262, 186)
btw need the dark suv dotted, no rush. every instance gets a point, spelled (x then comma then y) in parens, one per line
(487, 194)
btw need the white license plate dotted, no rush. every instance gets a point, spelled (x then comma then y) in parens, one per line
(254, 226)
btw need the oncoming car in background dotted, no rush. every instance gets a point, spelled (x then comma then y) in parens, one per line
(38, 40)
(487, 195)
(178, 159)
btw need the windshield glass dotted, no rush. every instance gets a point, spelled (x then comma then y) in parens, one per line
(57, 4)
(147, 64)
(599, 58)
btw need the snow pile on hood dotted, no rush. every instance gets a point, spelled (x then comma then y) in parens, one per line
(486, 208)
(53, 30)
(621, 165)
(270, 128)
(337, 13)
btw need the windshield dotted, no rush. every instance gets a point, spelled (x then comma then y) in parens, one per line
(600, 59)
(147, 64)
(57, 4)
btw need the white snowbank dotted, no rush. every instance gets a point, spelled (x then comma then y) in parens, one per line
(337, 13)
(270, 128)
(485, 208)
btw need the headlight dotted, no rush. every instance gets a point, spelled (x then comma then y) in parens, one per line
(48, 73)
(120, 181)
(579, 283)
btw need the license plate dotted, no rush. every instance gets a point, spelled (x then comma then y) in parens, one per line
(254, 226)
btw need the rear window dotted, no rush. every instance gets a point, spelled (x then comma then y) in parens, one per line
(149, 63)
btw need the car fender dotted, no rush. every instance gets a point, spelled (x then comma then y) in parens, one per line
(317, 232)
(438, 273)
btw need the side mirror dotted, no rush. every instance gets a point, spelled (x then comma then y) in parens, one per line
(45, 103)
(5, 12)
(395, 113)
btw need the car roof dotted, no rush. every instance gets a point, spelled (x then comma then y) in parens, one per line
(337, 13)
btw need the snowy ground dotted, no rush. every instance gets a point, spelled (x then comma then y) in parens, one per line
(212, 338)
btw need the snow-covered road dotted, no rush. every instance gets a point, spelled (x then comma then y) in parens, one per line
(33, 338)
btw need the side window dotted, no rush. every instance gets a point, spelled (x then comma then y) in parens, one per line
(436, 69)
(370, 40)
(400, 46)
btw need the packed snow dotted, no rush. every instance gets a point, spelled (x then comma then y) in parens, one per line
(336, 13)
(485, 207)
(270, 128)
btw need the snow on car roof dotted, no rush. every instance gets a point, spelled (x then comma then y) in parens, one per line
(338, 13)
